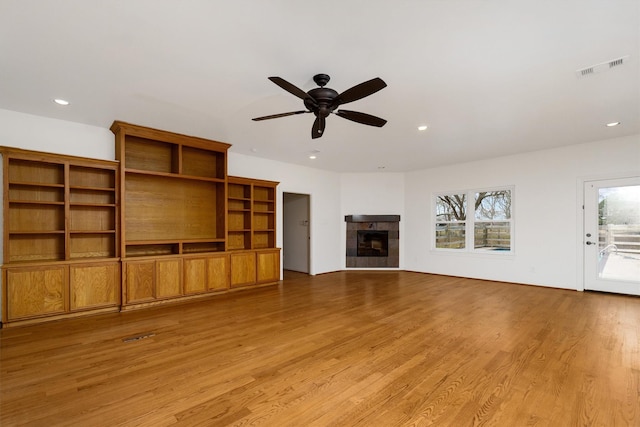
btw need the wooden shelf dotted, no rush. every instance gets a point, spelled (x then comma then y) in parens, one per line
(173, 192)
(173, 175)
(53, 200)
(251, 214)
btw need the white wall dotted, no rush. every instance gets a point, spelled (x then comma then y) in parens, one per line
(547, 198)
(55, 136)
(371, 194)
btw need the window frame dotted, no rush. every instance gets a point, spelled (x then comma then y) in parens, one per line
(470, 222)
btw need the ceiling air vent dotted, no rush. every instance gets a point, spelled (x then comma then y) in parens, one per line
(603, 66)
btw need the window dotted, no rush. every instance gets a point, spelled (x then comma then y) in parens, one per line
(451, 213)
(489, 229)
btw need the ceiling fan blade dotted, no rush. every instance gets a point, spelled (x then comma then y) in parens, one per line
(275, 116)
(365, 119)
(360, 91)
(290, 88)
(318, 127)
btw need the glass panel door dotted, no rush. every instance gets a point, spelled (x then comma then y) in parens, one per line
(612, 235)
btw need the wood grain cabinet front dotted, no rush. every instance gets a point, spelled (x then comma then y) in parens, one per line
(268, 266)
(35, 292)
(168, 273)
(59, 290)
(94, 285)
(243, 268)
(152, 279)
(165, 278)
(206, 274)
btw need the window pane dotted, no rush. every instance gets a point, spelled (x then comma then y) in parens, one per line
(451, 207)
(493, 205)
(450, 235)
(494, 235)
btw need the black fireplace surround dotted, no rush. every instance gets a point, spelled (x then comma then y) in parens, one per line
(373, 241)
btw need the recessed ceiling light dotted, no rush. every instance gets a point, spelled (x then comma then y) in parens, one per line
(612, 124)
(312, 157)
(422, 127)
(254, 150)
(60, 101)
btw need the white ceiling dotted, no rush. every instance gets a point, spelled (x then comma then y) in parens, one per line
(489, 77)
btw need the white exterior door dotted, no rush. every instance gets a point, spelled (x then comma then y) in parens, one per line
(611, 238)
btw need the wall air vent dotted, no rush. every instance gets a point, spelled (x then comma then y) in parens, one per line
(603, 66)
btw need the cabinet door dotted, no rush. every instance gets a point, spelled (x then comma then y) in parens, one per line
(168, 278)
(218, 272)
(243, 269)
(36, 291)
(195, 275)
(93, 286)
(268, 266)
(139, 281)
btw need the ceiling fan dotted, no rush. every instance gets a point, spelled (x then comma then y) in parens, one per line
(323, 101)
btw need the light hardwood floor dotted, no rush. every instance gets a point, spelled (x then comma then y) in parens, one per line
(339, 349)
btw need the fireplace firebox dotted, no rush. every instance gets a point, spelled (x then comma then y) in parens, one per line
(373, 243)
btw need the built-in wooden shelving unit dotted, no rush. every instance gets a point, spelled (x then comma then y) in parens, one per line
(162, 223)
(60, 235)
(251, 231)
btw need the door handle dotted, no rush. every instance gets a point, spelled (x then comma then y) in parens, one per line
(591, 243)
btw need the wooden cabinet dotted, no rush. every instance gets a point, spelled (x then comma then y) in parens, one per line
(94, 285)
(251, 231)
(173, 214)
(243, 268)
(58, 211)
(206, 274)
(150, 280)
(35, 292)
(59, 290)
(267, 266)
(168, 278)
(139, 281)
(251, 207)
(255, 267)
(159, 279)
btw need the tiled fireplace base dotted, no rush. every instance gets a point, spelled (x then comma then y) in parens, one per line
(373, 223)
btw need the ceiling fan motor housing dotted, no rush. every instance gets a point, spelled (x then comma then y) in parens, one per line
(324, 101)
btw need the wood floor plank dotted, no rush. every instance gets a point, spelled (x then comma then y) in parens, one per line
(352, 348)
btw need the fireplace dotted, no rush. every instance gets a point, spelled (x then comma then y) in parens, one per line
(373, 241)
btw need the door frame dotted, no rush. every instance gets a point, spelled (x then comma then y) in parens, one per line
(580, 219)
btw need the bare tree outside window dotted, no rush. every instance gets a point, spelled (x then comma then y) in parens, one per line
(493, 205)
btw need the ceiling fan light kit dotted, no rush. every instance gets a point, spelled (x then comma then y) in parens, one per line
(322, 101)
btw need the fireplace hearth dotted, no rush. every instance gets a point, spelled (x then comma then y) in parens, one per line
(373, 241)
